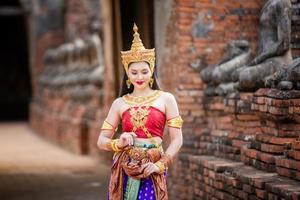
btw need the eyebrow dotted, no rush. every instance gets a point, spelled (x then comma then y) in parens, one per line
(134, 70)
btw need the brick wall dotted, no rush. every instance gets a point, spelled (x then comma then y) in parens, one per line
(229, 151)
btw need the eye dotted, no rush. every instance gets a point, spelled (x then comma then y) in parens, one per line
(145, 72)
(134, 73)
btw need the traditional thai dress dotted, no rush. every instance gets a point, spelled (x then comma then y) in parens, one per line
(127, 181)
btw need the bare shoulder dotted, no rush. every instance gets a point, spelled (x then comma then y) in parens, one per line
(167, 96)
(117, 101)
(170, 105)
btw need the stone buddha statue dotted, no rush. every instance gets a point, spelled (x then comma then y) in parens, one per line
(274, 46)
(286, 78)
(219, 77)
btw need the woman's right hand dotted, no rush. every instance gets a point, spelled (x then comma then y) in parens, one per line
(125, 139)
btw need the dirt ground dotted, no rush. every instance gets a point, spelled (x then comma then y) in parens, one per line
(32, 168)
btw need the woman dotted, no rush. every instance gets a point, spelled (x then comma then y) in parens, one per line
(139, 163)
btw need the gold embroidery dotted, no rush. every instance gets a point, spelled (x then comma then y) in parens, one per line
(139, 116)
(175, 122)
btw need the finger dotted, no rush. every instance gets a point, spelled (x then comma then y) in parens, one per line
(144, 166)
(148, 172)
(130, 140)
(148, 169)
(133, 134)
(123, 141)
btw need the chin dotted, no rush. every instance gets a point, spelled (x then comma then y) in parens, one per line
(140, 87)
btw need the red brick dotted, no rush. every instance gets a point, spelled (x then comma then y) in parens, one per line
(288, 163)
(294, 154)
(296, 145)
(278, 111)
(261, 193)
(247, 117)
(272, 148)
(273, 140)
(278, 102)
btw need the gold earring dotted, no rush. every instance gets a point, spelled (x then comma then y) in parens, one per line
(128, 83)
(151, 82)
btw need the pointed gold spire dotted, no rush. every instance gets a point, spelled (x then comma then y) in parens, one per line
(137, 43)
(138, 52)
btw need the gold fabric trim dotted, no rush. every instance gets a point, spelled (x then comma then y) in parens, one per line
(175, 122)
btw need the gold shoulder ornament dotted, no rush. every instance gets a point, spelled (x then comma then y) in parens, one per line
(175, 122)
(107, 126)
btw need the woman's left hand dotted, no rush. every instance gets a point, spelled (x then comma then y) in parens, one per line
(150, 168)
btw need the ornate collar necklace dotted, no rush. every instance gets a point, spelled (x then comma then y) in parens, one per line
(141, 100)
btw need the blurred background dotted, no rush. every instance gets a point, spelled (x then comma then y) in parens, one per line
(61, 70)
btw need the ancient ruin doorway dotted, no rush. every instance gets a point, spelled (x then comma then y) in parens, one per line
(15, 87)
(125, 13)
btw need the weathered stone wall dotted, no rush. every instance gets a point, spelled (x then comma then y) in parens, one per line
(244, 145)
(68, 108)
(67, 105)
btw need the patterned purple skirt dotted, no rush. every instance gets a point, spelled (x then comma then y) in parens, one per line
(146, 190)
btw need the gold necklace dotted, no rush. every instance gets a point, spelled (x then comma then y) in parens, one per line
(141, 100)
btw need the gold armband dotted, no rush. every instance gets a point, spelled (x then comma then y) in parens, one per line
(175, 122)
(107, 126)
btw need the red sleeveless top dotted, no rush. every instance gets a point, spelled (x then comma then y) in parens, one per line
(154, 122)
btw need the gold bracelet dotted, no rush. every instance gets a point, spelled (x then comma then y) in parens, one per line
(115, 146)
(161, 166)
(112, 145)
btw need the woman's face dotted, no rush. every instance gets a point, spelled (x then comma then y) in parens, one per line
(139, 74)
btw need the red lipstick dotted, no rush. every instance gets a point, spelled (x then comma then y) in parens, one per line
(140, 82)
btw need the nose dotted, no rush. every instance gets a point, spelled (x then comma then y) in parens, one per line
(140, 76)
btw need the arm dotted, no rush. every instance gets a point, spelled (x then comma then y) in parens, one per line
(174, 132)
(108, 129)
(106, 134)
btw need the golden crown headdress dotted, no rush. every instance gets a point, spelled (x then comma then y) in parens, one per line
(138, 52)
